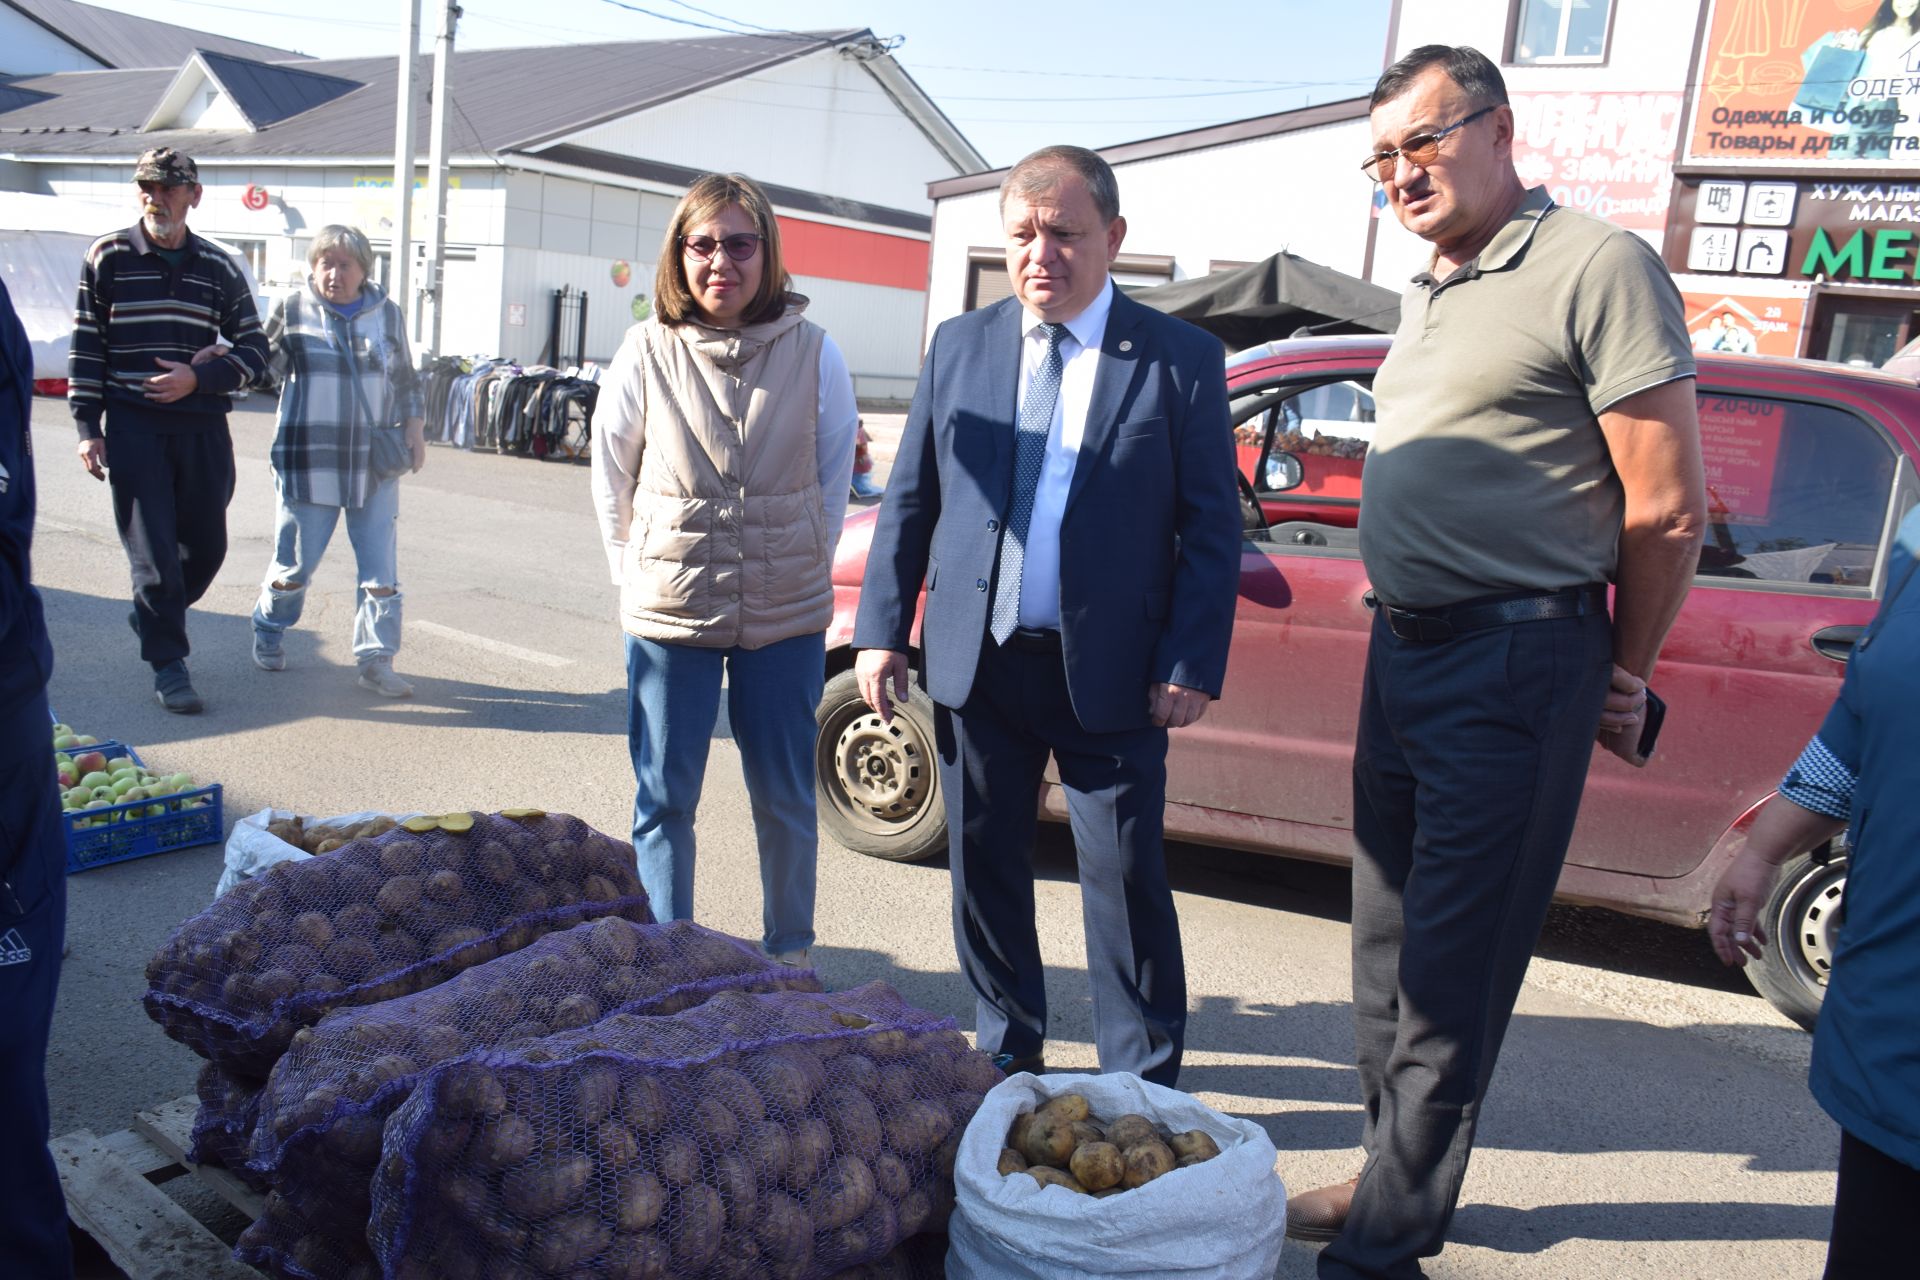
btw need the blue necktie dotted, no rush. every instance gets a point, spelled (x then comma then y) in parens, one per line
(1029, 457)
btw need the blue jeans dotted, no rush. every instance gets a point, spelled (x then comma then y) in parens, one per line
(300, 540)
(673, 699)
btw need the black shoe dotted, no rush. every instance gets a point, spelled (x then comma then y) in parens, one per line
(174, 688)
(1010, 1065)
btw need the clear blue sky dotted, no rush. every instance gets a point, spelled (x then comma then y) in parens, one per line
(1012, 74)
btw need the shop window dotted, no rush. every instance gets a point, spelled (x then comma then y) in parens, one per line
(1796, 493)
(1550, 31)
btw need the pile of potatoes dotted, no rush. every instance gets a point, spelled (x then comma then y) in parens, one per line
(318, 837)
(1062, 1144)
(378, 918)
(784, 1136)
(330, 1094)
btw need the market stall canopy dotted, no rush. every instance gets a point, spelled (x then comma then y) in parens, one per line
(1273, 299)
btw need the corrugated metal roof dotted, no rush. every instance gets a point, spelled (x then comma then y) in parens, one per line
(267, 94)
(121, 40)
(504, 99)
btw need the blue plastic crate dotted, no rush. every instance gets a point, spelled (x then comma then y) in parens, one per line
(130, 833)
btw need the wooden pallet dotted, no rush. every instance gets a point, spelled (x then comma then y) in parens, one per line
(112, 1195)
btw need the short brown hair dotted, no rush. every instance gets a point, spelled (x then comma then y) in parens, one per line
(1040, 173)
(706, 198)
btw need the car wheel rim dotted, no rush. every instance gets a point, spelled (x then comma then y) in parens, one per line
(1814, 913)
(882, 772)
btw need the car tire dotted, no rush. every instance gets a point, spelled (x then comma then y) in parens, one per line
(1802, 920)
(878, 783)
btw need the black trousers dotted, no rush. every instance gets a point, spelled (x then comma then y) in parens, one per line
(1470, 760)
(1872, 1237)
(170, 495)
(33, 917)
(993, 753)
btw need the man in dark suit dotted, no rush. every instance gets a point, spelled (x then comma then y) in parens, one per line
(1064, 488)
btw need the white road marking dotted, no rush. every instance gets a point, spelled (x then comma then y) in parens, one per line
(491, 645)
(61, 526)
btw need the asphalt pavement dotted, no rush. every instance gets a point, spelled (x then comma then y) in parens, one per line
(1649, 1117)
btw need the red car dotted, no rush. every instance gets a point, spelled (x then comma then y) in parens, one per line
(1809, 469)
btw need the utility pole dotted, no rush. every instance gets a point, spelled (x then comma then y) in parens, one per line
(400, 283)
(433, 288)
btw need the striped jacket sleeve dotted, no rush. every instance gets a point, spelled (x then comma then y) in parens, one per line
(246, 360)
(87, 354)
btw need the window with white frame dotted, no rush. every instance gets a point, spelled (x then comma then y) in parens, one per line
(1549, 31)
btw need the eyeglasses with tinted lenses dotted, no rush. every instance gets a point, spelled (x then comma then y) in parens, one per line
(1421, 149)
(739, 247)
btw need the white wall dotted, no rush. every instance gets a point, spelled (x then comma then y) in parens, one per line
(876, 328)
(27, 48)
(819, 123)
(1240, 202)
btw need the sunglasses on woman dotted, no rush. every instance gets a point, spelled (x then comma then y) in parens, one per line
(739, 247)
(1421, 149)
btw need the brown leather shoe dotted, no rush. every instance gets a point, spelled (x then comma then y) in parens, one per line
(1320, 1214)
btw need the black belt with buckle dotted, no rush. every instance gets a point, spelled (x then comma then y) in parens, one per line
(1033, 640)
(1432, 626)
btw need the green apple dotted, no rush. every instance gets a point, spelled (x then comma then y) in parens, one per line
(78, 795)
(95, 779)
(181, 781)
(59, 729)
(118, 763)
(156, 810)
(133, 794)
(86, 740)
(124, 784)
(64, 741)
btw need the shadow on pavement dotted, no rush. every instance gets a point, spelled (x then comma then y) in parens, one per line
(1509, 1230)
(101, 686)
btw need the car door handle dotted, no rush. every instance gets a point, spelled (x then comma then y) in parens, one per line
(1836, 642)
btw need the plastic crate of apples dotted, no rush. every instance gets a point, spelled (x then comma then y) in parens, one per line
(113, 807)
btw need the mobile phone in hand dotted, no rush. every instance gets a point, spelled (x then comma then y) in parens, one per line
(1651, 719)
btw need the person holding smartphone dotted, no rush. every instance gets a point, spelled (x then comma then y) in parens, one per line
(1531, 448)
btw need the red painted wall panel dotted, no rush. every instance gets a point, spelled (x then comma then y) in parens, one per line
(846, 253)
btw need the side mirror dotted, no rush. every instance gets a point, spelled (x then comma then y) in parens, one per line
(1282, 472)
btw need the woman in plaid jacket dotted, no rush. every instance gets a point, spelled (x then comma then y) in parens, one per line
(348, 384)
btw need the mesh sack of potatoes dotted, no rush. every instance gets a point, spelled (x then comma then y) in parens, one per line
(321, 1115)
(786, 1136)
(377, 919)
(281, 1242)
(260, 840)
(223, 1126)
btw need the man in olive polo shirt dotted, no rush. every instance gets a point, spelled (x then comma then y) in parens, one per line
(1536, 440)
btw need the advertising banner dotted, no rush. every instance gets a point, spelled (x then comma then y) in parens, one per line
(1608, 154)
(1808, 82)
(1740, 444)
(1742, 324)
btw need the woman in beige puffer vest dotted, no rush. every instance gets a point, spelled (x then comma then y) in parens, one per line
(722, 452)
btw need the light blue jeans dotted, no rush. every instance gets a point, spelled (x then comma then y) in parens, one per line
(673, 699)
(300, 540)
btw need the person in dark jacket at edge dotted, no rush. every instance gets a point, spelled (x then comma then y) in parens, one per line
(150, 297)
(33, 851)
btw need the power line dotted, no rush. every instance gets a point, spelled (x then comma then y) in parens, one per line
(704, 26)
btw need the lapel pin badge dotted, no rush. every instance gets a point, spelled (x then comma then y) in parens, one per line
(1127, 345)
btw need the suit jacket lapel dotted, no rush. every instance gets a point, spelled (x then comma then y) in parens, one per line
(1003, 397)
(1121, 359)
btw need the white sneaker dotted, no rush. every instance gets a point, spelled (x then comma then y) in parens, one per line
(798, 958)
(268, 655)
(377, 675)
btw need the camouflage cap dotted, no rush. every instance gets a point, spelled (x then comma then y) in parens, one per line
(167, 167)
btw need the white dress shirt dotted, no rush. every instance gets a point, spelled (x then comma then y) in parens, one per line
(1079, 361)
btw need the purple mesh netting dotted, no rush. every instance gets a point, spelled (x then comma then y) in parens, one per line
(323, 1108)
(282, 1243)
(223, 1127)
(786, 1136)
(374, 920)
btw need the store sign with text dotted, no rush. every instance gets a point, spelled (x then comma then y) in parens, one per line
(1858, 232)
(1807, 82)
(1608, 154)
